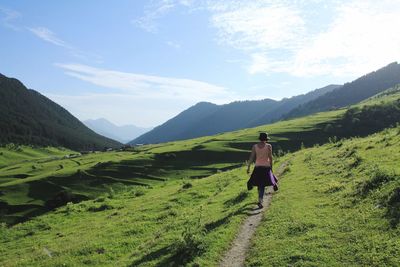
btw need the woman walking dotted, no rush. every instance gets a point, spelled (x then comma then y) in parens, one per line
(262, 176)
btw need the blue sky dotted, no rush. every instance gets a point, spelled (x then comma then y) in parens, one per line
(143, 62)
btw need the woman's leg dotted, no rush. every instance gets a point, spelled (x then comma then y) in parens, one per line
(261, 190)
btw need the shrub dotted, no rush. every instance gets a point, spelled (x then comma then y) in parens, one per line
(111, 192)
(356, 160)
(187, 185)
(393, 207)
(378, 178)
(137, 191)
(307, 157)
(332, 139)
(101, 207)
(190, 244)
(333, 187)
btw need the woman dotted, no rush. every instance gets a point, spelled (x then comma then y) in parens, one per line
(261, 154)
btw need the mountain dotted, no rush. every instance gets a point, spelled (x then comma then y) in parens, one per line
(123, 134)
(353, 92)
(175, 128)
(291, 103)
(207, 118)
(27, 117)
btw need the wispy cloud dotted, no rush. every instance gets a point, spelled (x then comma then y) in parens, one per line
(148, 86)
(8, 16)
(256, 25)
(365, 35)
(279, 37)
(173, 44)
(157, 9)
(49, 36)
(154, 11)
(136, 98)
(349, 39)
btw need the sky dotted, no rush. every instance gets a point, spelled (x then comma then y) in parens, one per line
(143, 62)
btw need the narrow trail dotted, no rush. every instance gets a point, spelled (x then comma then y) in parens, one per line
(236, 255)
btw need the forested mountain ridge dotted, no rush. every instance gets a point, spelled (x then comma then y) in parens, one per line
(289, 103)
(353, 92)
(206, 118)
(27, 117)
(175, 127)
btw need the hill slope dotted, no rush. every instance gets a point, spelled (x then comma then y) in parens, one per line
(352, 92)
(205, 119)
(32, 187)
(27, 117)
(123, 134)
(338, 205)
(334, 207)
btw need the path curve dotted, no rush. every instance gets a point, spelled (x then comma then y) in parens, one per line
(236, 255)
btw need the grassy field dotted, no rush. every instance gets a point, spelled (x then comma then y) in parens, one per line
(339, 205)
(34, 181)
(175, 223)
(12, 154)
(32, 187)
(149, 206)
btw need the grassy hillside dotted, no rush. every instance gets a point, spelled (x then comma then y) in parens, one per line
(12, 154)
(179, 222)
(27, 117)
(141, 207)
(339, 205)
(35, 187)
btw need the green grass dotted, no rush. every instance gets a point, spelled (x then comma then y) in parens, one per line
(12, 154)
(148, 206)
(136, 226)
(35, 178)
(339, 205)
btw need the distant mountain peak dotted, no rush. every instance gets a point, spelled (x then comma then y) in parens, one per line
(123, 133)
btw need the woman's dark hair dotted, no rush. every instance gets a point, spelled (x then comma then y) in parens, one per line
(263, 137)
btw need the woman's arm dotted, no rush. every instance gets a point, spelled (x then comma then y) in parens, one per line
(251, 159)
(270, 156)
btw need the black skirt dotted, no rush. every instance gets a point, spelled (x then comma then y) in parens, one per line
(261, 176)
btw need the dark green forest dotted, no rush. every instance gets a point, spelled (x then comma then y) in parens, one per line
(31, 118)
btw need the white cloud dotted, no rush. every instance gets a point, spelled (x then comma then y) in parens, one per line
(173, 44)
(364, 36)
(148, 86)
(287, 37)
(136, 98)
(49, 36)
(8, 18)
(154, 11)
(259, 26)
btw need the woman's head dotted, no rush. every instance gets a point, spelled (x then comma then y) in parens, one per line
(263, 137)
